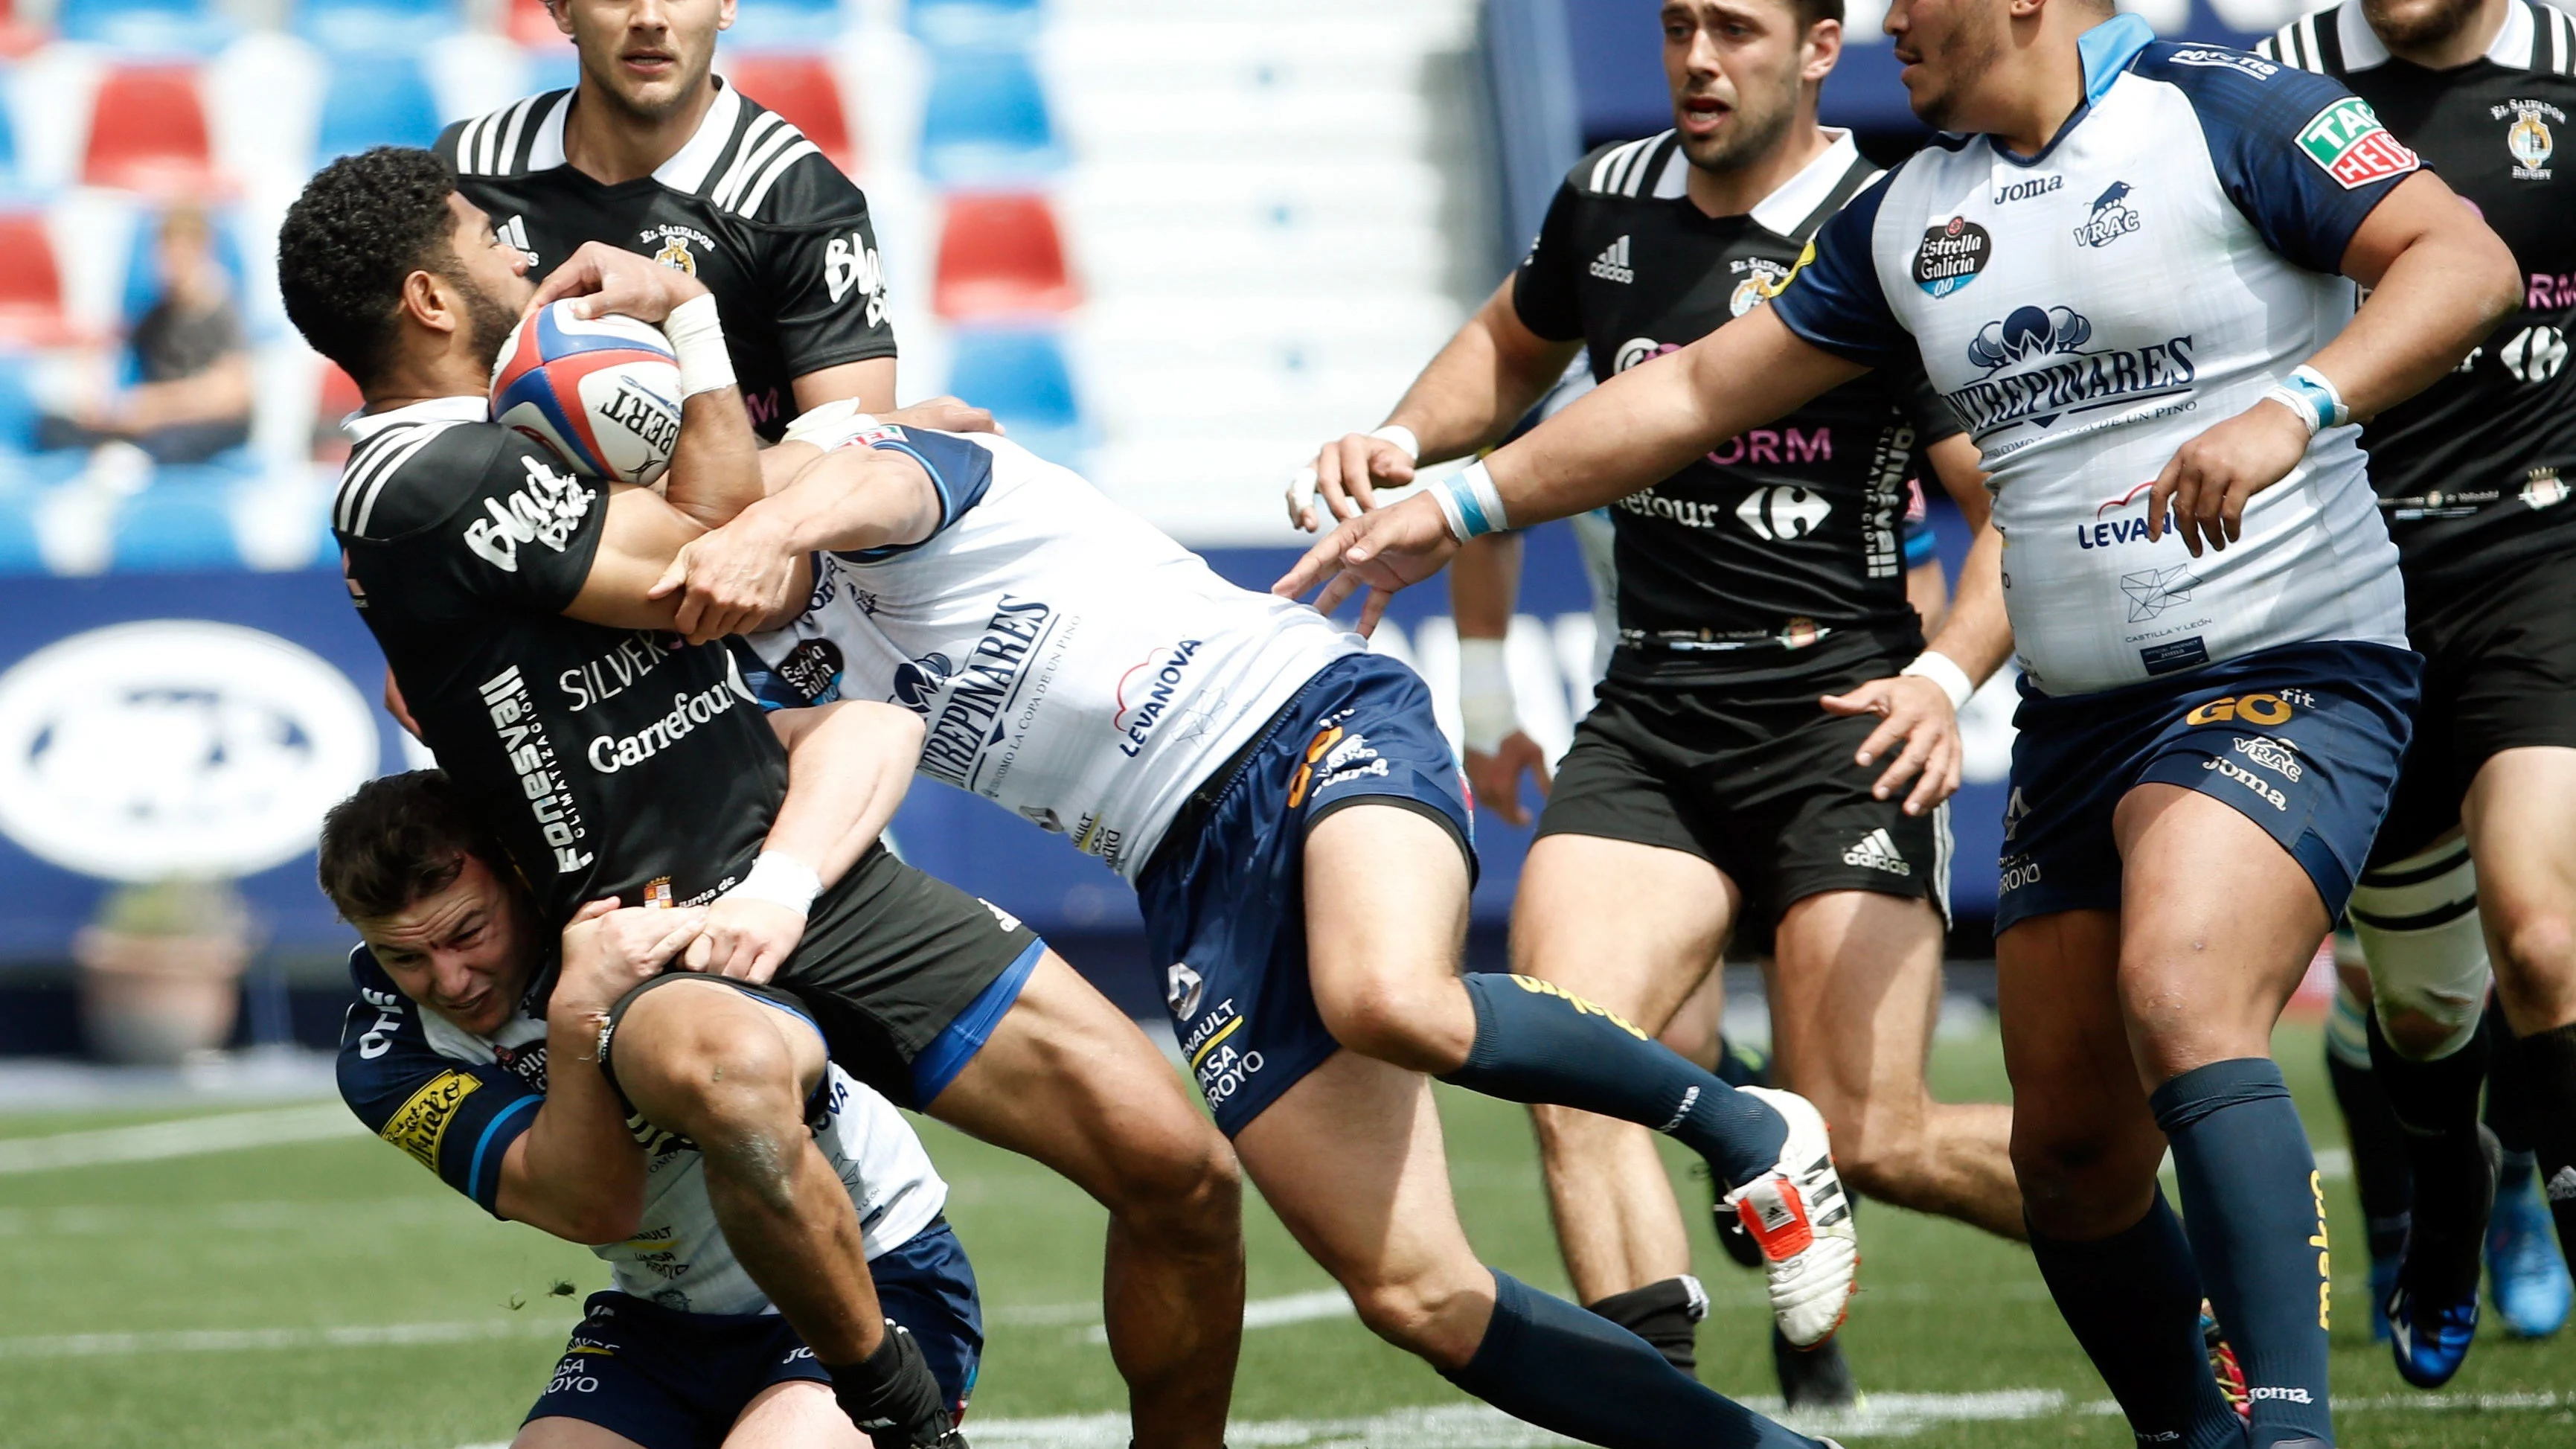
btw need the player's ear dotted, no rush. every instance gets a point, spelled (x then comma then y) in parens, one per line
(561, 11)
(1823, 47)
(428, 300)
(724, 14)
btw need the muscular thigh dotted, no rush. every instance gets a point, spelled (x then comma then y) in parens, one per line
(2084, 1145)
(562, 1433)
(1634, 927)
(1855, 990)
(1386, 909)
(801, 1414)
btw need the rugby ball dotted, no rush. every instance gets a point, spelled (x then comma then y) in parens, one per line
(602, 394)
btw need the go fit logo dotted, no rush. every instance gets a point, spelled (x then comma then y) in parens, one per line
(2261, 709)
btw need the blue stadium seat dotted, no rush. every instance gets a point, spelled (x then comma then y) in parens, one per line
(346, 27)
(375, 100)
(987, 120)
(17, 405)
(180, 522)
(145, 26)
(552, 67)
(970, 23)
(786, 22)
(1020, 374)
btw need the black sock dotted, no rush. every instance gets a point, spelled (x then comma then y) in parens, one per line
(1552, 1364)
(2508, 1110)
(2256, 1216)
(1665, 1314)
(1536, 1042)
(2545, 1073)
(2379, 1170)
(2133, 1302)
(2436, 1102)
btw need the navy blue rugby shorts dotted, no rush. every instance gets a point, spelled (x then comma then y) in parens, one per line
(673, 1380)
(2303, 740)
(1224, 894)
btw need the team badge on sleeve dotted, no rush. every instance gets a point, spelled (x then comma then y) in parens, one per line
(420, 1124)
(2347, 139)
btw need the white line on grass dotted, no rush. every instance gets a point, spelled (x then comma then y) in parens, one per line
(236, 1340)
(186, 1137)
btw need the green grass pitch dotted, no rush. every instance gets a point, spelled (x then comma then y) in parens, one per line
(332, 1293)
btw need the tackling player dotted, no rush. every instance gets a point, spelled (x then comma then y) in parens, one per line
(2478, 858)
(446, 1056)
(612, 760)
(1295, 827)
(2121, 269)
(1729, 777)
(654, 152)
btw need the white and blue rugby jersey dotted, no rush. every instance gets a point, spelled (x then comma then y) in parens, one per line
(2169, 257)
(1072, 663)
(456, 1101)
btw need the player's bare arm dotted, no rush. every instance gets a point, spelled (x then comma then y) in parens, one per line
(1622, 436)
(748, 574)
(1488, 375)
(869, 383)
(2439, 280)
(848, 765)
(1484, 582)
(577, 1172)
(1920, 707)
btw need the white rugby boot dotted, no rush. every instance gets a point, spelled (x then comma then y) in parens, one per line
(1798, 1214)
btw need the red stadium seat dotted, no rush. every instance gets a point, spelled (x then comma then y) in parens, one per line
(147, 132)
(31, 285)
(1001, 256)
(529, 24)
(336, 398)
(800, 88)
(17, 37)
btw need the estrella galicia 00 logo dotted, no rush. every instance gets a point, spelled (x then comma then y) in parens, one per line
(1951, 256)
(2112, 218)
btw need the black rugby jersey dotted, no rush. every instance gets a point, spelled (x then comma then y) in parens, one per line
(748, 206)
(2473, 472)
(609, 762)
(1780, 535)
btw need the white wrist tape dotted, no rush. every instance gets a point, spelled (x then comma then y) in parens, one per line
(1402, 437)
(697, 339)
(781, 880)
(1470, 502)
(2313, 396)
(1486, 713)
(1944, 671)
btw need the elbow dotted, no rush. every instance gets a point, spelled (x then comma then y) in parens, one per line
(598, 1223)
(2501, 295)
(898, 727)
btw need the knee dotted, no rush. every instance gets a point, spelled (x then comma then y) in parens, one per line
(1412, 1314)
(2074, 1184)
(2540, 946)
(1887, 1160)
(2426, 1036)
(1185, 1199)
(714, 1081)
(1425, 1025)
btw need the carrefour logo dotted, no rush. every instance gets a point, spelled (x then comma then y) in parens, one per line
(2068, 378)
(176, 746)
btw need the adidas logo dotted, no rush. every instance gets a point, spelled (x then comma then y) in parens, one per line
(1612, 264)
(2562, 1185)
(515, 233)
(1877, 851)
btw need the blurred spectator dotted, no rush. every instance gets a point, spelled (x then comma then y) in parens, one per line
(191, 360)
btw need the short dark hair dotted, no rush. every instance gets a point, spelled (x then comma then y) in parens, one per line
(1811, 11)
(363, 224)
(399, 840)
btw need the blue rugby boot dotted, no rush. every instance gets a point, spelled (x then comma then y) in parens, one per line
(2433, 1315)
(2525, 1273)
(2430, 1343)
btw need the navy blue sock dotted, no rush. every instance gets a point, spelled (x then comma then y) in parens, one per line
(1539, 1043)
(2257, 1222)
(1563, 1368)
(2133, 1302)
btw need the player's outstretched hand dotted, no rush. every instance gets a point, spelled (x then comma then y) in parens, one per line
(745, 939)
(608, 952)
(944, 415)
(1381, 552)
(2214, 476)
(1916, 712)
(729, 581)
(1346, 475)
(608, 279)
(1496, 778)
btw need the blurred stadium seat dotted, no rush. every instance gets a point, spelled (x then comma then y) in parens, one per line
(183, 521)
(375, 100)
(1020, 374)
(17, 404)
(17, 37)
(335, 396)
(145, 26)
(346, 27)
(1000, 255)
(529, 24)
(987, 122)
(148, 132)
(801, 88)
(965, 23)
(787, 22)
(31, 286)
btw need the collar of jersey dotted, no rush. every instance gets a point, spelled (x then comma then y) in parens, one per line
(2105, 51)
(2362, 49)
(464, 408)
(688, 167)
(1792, 200)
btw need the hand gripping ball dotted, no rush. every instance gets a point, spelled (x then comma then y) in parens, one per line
(603, 394)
